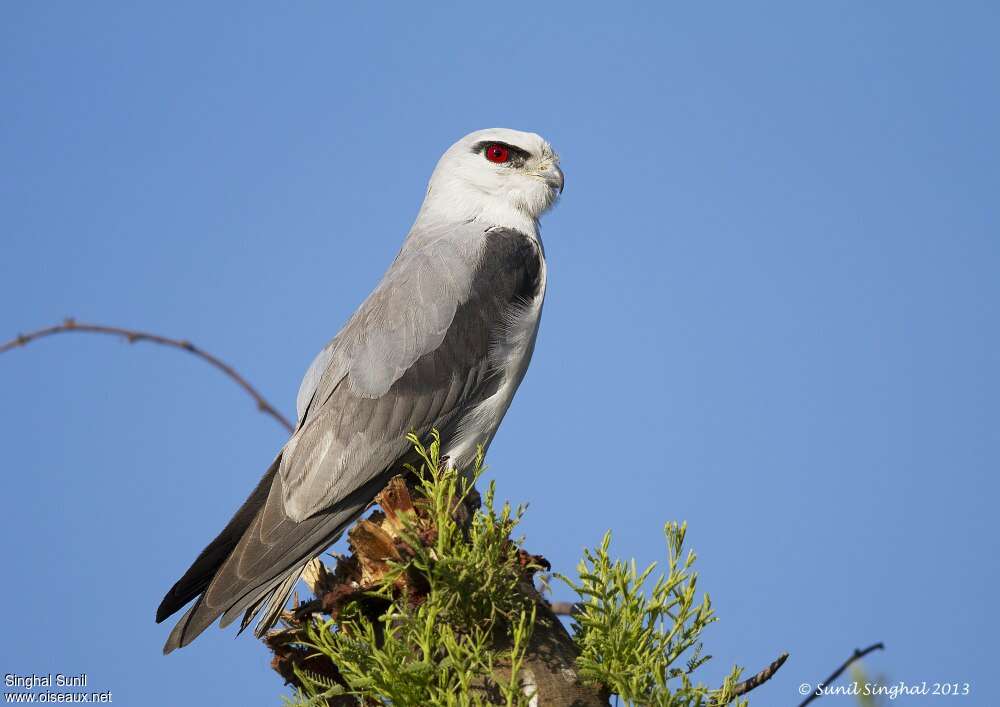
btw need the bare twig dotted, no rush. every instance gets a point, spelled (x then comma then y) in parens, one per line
(858, 653)
(758, 679)
(132, 336)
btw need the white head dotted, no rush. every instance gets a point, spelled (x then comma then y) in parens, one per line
(499, 177)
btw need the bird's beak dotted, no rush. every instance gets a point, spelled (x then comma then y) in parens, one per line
(554, 177)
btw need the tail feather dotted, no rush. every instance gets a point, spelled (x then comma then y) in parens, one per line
(260, 570)
(273, 605)
(276, 591)
(196, 580)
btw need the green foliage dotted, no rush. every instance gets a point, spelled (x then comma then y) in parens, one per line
(631, 642)
(422, 660)
(444, 649)
(473, 574)
(464, 640)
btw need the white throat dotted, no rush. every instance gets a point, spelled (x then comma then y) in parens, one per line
(461, 204)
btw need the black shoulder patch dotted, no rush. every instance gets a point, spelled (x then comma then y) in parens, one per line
(512, 262)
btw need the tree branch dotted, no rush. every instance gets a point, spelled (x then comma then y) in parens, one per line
(858, 653)
(758, 679)
(132, 336)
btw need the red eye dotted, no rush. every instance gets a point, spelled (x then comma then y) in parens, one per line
(497, 153)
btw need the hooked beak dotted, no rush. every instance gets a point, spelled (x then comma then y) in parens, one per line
(554, 177)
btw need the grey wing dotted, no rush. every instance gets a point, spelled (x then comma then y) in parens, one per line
(405, 317)
(393, 369)
(414, 356)
(311, 379)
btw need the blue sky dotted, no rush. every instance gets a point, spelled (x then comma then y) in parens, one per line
(772, 306)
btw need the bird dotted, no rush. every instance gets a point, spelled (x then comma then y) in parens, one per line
(441, 344)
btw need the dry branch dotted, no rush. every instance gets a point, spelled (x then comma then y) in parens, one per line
(758, 679)
(856, 655)
(71, 325)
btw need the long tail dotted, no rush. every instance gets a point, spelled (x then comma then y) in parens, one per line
(200, 574)
(253, 564)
